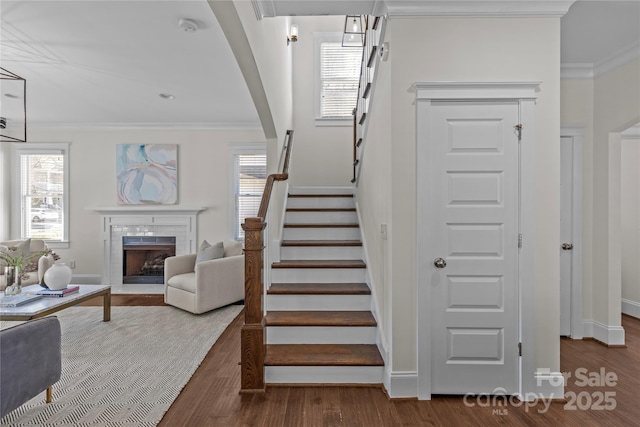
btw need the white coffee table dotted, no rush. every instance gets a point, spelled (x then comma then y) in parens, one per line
(48, 305)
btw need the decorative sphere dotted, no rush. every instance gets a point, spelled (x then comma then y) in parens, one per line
(58, 276)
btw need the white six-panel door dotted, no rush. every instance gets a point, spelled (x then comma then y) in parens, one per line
(566, 229)
(474, 230)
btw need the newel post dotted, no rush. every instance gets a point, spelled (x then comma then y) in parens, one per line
(252, 334)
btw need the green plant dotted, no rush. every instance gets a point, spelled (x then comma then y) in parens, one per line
(15, 258)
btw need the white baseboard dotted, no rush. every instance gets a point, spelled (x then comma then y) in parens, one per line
(86, 279)
(548, 385)
(610, 335)
(401, 384)
(631, 308)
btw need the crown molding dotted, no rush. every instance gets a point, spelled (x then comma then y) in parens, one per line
(263, 8)
(147, 126)
(617, 59)
(590, 71)
(426, 8)
(477, 8)
(576, 71)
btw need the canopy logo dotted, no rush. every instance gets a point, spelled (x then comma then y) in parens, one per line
(591, 399)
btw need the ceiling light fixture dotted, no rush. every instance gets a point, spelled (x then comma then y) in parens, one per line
(353, 31)
(14, 108)
(293, 37)
(167, 96)
(188, 25)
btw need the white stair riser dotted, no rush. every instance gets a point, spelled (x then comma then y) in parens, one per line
(321, 217)
(319, 302)
(318, 275)
(320, 202)
(324, 374)
(321, 335)
(321, 190)
(321, 233)
(320, 252)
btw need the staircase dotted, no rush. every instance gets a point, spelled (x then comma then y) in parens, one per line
(320, 328)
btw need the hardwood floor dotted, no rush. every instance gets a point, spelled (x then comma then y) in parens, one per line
(211, 397)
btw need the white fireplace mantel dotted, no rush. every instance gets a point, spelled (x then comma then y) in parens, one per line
(147, 210)
(160, 220)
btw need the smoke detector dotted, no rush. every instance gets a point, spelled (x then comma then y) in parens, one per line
(188, 25)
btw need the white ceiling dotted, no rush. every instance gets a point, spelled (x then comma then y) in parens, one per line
(105, 63)
(594, 31)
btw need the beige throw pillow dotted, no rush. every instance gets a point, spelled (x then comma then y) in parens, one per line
(21, 246)
(208, 251)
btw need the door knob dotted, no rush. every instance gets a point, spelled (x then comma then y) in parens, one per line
(567, 246)
(439, 263)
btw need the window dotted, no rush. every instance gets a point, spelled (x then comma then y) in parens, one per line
(249, 177)
(40, 192)
(338, 77)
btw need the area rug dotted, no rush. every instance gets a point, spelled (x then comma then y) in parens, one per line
(125, 372)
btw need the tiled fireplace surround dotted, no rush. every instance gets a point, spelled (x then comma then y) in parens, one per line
(149, 221)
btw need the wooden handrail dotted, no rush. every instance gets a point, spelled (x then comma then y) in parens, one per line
(252, 340)
(283, 176)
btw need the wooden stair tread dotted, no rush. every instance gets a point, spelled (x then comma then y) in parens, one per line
(323, 355)
(319, 318)
(321, 243)
(321, 225)
(321, 209)
(321, 195)
(319, 289)
(336, 263)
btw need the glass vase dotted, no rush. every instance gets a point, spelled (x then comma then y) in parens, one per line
(12, 274)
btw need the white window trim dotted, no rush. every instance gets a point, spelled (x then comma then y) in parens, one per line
(16, 215)
(234, 150)
(319, 38)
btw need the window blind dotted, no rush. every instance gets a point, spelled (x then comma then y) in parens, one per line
(250, 175)
(339, 76)
(42, 195)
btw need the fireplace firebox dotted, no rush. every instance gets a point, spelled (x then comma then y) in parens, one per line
(143, 258)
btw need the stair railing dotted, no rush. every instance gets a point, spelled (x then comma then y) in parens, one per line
(252, 337)
(371, 53)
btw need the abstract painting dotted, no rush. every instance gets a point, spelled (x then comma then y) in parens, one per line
(147, 174)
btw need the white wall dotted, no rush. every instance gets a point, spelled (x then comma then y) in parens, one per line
(459, 49)
(267, 38)
(630, 221)
(323, 155)
(616, 107)
(374, 199)
(203, 180)
(603, 107)
(576, 110)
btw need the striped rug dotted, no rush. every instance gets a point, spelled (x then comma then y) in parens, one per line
(125, 372)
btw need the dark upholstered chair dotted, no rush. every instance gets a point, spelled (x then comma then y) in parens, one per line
(30, 361)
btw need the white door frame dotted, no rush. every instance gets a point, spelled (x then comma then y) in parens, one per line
(525, 94)
(577, 135)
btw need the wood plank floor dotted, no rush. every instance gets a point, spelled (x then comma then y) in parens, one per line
(211, 397)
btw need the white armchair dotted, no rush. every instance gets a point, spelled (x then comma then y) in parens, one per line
(205, 286)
